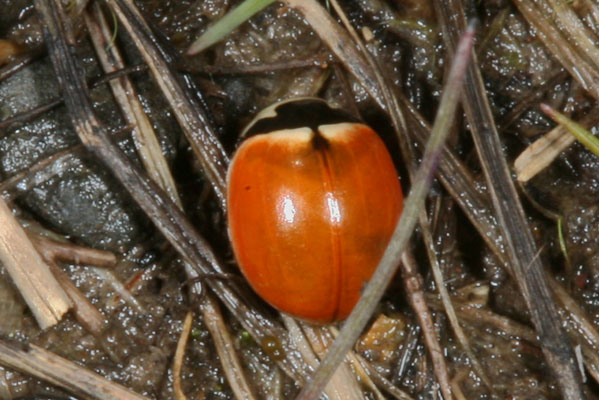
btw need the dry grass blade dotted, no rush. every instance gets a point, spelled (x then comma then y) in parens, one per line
(343, 384)
(455, 386)
(194, 123)
(43, 294)
(340, 44)
(541, 153)
(53, 250)
(363, 366)
(413, 283)
(581, 328)
(391, 258)
(180, 356)
(461, 185)
(76, 7)
(527, 268)
(225, 346)
(566, 49)
(584, 39)
(26, 116)
(63, 373)
(125, 94)
(153, 201)
(583, 325)
(593, 8)
(446, 299)
(490, 319)
(389, 100)
(359, 366)
(318, 60)
(120, 289)
(5, 392)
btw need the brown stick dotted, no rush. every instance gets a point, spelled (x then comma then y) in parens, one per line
(63, 373)
(43, 294)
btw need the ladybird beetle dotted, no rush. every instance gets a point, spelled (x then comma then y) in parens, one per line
(313, 199)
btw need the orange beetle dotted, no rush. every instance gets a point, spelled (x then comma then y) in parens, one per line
(312, 203)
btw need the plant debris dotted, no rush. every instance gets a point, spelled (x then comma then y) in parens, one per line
(114, 145)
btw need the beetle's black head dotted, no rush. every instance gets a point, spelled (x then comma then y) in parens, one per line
(296, 113)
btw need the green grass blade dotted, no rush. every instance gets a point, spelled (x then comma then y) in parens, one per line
(582, 135)
(227, 24)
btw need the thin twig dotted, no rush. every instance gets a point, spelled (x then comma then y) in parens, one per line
(26, 116)
(86, 313)
(120, 289)
(532, 99)
(544, 150)
(39, 173)
(19, 63)
(64, 251)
